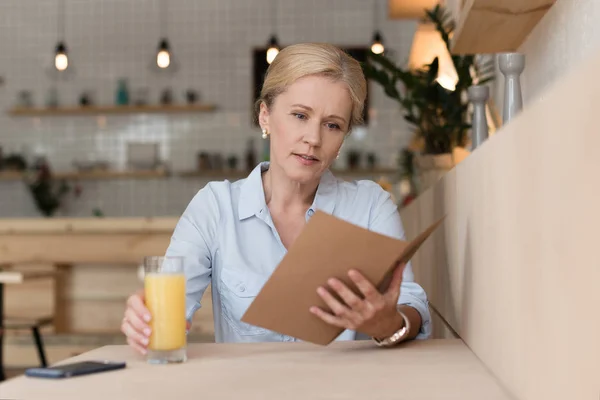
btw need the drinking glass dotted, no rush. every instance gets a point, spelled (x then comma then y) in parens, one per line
(164, 287)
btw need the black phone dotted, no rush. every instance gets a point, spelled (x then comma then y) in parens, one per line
(74, 369)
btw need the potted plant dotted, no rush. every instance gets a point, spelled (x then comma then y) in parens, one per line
(439, 115)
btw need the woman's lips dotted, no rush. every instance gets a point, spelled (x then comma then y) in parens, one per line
(306, 159)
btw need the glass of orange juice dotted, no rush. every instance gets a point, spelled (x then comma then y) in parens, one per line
(164, 287)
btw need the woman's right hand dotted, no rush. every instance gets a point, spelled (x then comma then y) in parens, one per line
(135, 322)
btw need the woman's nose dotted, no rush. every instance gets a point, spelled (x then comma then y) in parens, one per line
(312, 135)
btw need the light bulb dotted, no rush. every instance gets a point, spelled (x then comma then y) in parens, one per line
(163, 59)
(447, 82)
(377, 48)
(271, 54)
(61, 61)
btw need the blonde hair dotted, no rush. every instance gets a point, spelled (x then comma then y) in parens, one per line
(300, 60)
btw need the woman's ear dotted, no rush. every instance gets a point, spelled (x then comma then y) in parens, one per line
(263, 116)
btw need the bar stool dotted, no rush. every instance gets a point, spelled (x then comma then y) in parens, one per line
(33, 325)
(10, 276)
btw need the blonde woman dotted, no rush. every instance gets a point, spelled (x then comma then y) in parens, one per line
(233, 234)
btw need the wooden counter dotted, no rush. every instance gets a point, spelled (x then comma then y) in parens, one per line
(96, 260)
(83, 240)
(432, 369)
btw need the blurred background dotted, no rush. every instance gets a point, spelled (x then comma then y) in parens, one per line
(134, 105)
(122, 109)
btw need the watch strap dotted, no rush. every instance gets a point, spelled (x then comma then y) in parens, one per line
(399, 336)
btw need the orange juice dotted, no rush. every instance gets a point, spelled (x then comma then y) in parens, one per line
(165, 299)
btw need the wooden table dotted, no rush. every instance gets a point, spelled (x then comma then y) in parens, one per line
(433, 369)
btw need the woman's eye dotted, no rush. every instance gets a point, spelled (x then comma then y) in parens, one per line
(299, 116)
(333, 126)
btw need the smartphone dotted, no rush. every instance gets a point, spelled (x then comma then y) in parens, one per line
(74, 369)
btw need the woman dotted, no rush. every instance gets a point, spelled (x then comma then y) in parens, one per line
(233, 235)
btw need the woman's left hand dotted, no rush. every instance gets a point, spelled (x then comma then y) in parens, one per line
(374, 314)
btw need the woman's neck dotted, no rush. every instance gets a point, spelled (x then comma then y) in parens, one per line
(284, 194)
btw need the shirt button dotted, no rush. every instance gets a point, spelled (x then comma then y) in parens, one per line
(242, 288)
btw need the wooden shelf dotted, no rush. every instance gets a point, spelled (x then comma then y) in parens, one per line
(237, 174)
(109, 110)
(212, 174)
(10, 176)
(91, 175)
(364, 172)
(496, 26)
(208, 174)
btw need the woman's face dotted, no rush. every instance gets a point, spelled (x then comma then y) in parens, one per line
(307, 125)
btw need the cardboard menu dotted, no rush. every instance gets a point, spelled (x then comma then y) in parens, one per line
(327, 247)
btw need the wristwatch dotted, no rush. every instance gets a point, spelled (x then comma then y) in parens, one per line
(399, 336)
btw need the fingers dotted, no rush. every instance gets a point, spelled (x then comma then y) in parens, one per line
(330, 319)
(369, 291)
(347, 295)
(136, 303)
(343, 316)
(135, 338)
(393, 291)
(136, 346)
(134, 324)
(351, 311)
(336, 307)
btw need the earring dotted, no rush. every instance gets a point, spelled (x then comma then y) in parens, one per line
(338, 155)
(265, 134)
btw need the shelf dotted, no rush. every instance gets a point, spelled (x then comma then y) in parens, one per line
(237, 174)
(496, 26)
(103, 175)
(108, 110)
(218, 174)
(208, 174)
(91, 175)
(10, 176)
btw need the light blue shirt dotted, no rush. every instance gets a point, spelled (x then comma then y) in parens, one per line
(228, 239)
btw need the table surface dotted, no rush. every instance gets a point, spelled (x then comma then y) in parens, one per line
(90, 225)
(431, 369)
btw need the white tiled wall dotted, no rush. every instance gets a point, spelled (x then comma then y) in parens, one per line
(212, 42)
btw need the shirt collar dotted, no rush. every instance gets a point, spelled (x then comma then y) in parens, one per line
(252, 193)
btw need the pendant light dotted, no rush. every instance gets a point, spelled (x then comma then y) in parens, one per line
(273, 44)
(377, 46)
(61, 58)
(273, 49)
(163, 58)
(59, 64)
